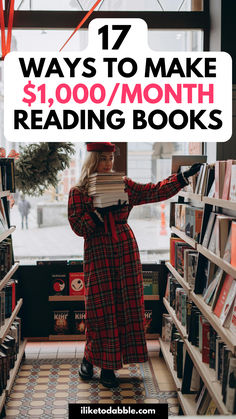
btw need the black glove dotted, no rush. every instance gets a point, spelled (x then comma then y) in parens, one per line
(105, 210)
(193, 170)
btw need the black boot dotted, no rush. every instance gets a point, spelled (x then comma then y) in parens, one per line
(108, 378)
(86, 370)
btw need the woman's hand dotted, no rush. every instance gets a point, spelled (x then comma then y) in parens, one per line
(193, 170)
(103, 211)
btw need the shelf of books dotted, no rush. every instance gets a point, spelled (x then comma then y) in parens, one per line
(179, 278)
(8, 322)
(226, 335)
(184, 237)
(7, 233)
(12, 350)
(200, 324)
(191, 195)
(14, 370)
(187, 401)
(222, 203)
(6, 278)
(223, 264)
(207, 374)
(177, 323)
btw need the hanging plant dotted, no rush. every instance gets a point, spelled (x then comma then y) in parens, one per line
(38, 165)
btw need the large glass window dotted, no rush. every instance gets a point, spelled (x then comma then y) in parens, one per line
(49, 234)
(151, 162)
(114, 5)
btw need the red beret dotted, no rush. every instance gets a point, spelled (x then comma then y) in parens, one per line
(101, 147)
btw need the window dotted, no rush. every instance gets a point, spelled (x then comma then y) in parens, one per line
(51, 237)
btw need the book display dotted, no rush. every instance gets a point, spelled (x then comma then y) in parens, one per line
(66, 296)
(11, 347)
(199, 332)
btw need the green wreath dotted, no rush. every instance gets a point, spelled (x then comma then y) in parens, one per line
(38, 166)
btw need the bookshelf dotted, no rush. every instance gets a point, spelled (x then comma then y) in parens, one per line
(8, 183)
(6, 278)
(187, 401)
(207, 374)
(190, 195)
(7, 233)
(151, 336)
(227, 267)
(226, 335)
(184, 236)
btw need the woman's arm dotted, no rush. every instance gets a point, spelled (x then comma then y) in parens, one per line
(82, 222)
(146, 193)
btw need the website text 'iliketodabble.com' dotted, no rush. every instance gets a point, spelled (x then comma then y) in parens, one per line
(150, 409)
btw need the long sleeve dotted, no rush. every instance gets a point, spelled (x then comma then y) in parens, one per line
(146, 193)
(81, 220)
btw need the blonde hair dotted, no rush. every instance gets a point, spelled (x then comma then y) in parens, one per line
(89, 167)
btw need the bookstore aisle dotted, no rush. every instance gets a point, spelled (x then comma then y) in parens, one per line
(48, 380)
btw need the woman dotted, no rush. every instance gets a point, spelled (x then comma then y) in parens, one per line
(114, 302)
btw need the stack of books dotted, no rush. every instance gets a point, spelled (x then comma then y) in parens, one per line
(107, 189)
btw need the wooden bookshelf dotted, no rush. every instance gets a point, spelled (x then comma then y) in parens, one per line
(222, 203)
(227, 267)
(8, 322)
(184, 236)
(191, 195)
(66, 337)
(6, 233)
(4, 193)
(177, 323)
(179, 278)
(66, 298)
(150, 336)
(165, 349)
(226, 335)
(208, 376)
(14, 370)
(187, 401)
(6, 278)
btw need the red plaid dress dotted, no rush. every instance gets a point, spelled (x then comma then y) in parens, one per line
(114, 302)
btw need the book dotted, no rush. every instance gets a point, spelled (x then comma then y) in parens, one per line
(232, 192)
(76, 283)
(231, 385)
(174, 240)
(233, 243)
(209, 229)
(191, 268)
(222, 233)
(227, 282)
(105, 200)
(58, 284)
(107, 176)
(208, 294)
(205, 341)
(227, 252)
(227, 181)
(61, 324)
(220, 167)
(79, 322)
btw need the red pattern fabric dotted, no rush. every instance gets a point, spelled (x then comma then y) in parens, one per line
(114, 301)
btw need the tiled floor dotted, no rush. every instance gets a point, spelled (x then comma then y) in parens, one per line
(48, 380)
